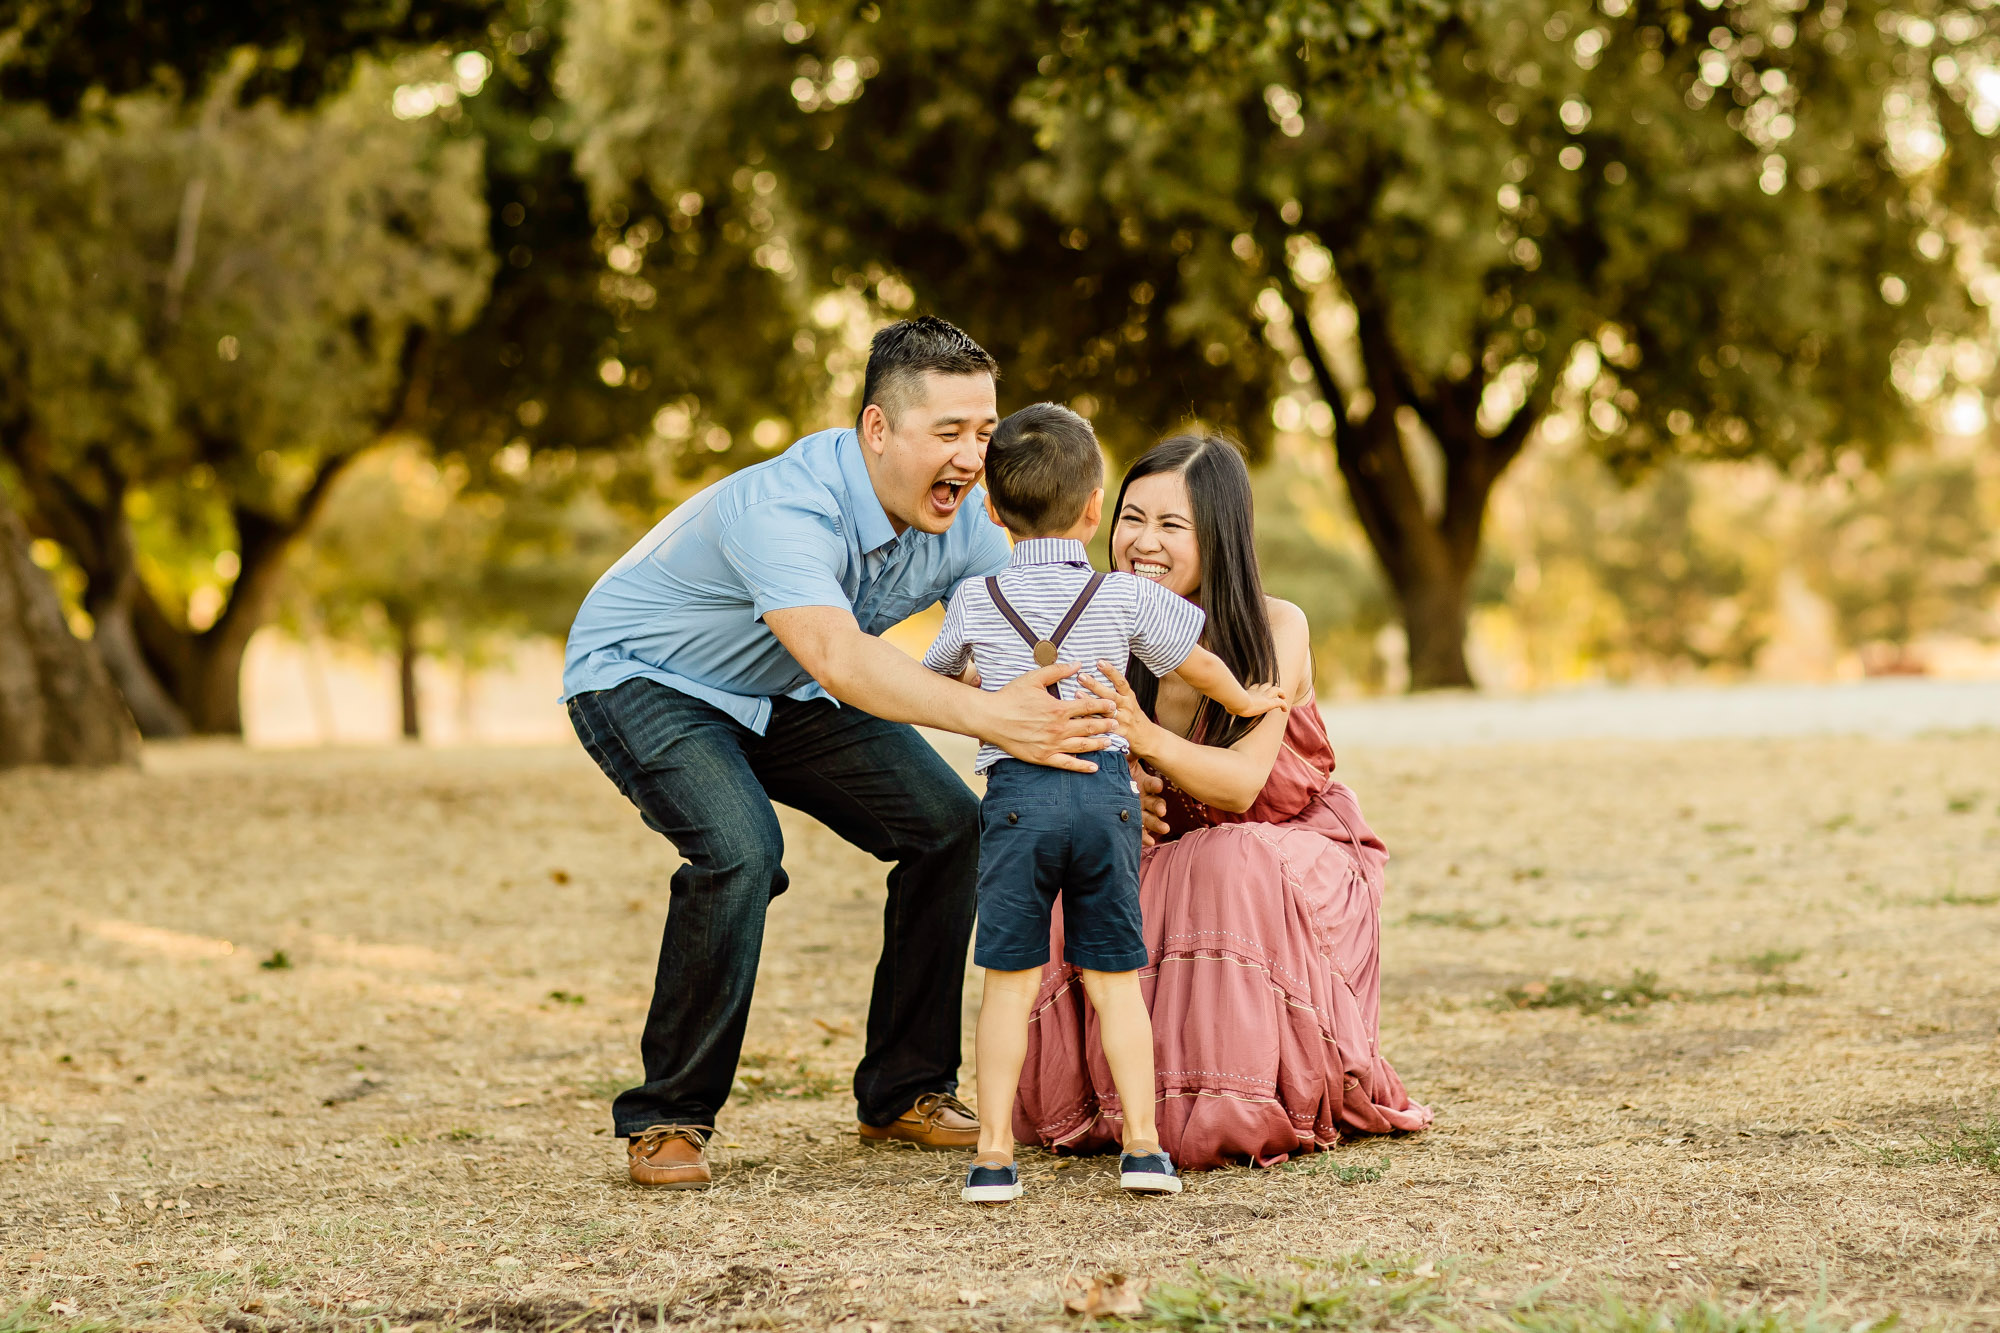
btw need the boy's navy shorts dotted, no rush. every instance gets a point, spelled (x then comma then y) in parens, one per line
(1044, 831)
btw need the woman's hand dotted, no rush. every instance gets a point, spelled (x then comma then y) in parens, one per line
(1152, 804)
(1133, 724)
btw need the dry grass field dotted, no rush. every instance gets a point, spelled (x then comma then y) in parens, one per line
(326, 1041)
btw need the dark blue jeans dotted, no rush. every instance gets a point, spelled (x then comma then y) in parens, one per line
(707, 782)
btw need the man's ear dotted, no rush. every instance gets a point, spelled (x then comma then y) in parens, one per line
(1093, 508)
(874, 430)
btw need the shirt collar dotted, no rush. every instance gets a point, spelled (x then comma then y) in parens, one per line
(1049, 551)
(872, 529)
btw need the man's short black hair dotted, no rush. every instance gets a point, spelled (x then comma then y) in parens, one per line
(901, 354)
(1041, 467)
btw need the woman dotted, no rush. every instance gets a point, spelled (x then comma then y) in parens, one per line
(1262, 903)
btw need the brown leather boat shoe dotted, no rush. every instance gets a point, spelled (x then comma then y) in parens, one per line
(939, 1121)
(669, 1157)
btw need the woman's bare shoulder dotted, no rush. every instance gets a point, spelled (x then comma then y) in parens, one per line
(1292, 637)
(1286, 619)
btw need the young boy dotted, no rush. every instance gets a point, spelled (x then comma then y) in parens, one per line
(1045, 831)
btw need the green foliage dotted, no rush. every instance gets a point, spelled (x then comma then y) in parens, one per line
(301, 252)
(206, 314)
(406, 547)
(1311, 554)
(62, 52)
(1908, 551)
(279, 961)
(1675, 231)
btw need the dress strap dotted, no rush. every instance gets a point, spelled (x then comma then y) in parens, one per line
(1044, 649)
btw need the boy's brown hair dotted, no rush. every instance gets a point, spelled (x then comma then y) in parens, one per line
(1041, 466)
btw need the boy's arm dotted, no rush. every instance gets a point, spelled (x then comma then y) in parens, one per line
(949, 653)
(1211, 676)
(1166, 636)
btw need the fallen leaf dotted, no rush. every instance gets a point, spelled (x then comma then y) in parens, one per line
(971, 1297)
(856, 1283)
(508, 1261)
(1110, 1294)
(1429, 1268)
(65, 1309)
(841, 1029)
(512, 1102)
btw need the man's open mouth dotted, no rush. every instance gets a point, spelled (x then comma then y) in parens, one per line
(945, 495)
(1146, 569)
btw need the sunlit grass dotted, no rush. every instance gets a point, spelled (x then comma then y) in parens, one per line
(1359, 1292)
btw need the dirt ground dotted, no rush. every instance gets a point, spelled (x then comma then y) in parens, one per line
(328, 1040)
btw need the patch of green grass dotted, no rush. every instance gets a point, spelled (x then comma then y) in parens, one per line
(461, 1135)
(279, 961)
(1617, 999)
(1459, 920)
(1323, 1164)
(565, 997)
(1970, 1144)
(1354, 1292)
(28, 1318)
(607, 1087)
(1962, 803)
(1357, 1292)
(761, 1076)
(1953, 898)
(1771, 962)
(1612, 1315)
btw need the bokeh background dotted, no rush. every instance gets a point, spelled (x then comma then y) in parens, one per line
(342, 346)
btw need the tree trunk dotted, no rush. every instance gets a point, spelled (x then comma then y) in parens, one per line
(57, 702)
(406, 672)
(1428, 558)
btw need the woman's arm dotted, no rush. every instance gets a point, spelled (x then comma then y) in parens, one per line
(1228, 779)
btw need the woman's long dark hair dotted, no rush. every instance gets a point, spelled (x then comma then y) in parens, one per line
(1239, 624)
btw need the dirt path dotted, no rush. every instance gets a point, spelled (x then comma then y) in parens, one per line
(329, 1039)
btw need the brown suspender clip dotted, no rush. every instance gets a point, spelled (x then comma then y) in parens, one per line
(1045, 649)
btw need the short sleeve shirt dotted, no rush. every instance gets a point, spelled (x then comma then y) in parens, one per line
(685, 606)
(1128, 616)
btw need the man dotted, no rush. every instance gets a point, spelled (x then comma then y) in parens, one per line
(730, 660)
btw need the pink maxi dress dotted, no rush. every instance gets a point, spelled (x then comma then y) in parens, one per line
(1264, 982)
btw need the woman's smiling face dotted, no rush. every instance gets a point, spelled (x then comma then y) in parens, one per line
(1154, 536)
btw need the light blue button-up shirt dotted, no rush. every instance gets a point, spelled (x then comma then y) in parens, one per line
(686, 606)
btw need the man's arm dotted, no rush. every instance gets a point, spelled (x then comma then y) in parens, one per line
(879, 678)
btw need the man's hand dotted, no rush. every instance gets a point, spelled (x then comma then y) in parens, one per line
(1152, 803)
(1024, 720)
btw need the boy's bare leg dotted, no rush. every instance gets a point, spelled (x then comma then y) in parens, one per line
(1127, 1032)
(1000, 1050)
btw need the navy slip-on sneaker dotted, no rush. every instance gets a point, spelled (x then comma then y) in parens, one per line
(996, 1184)
(1148, 1173)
